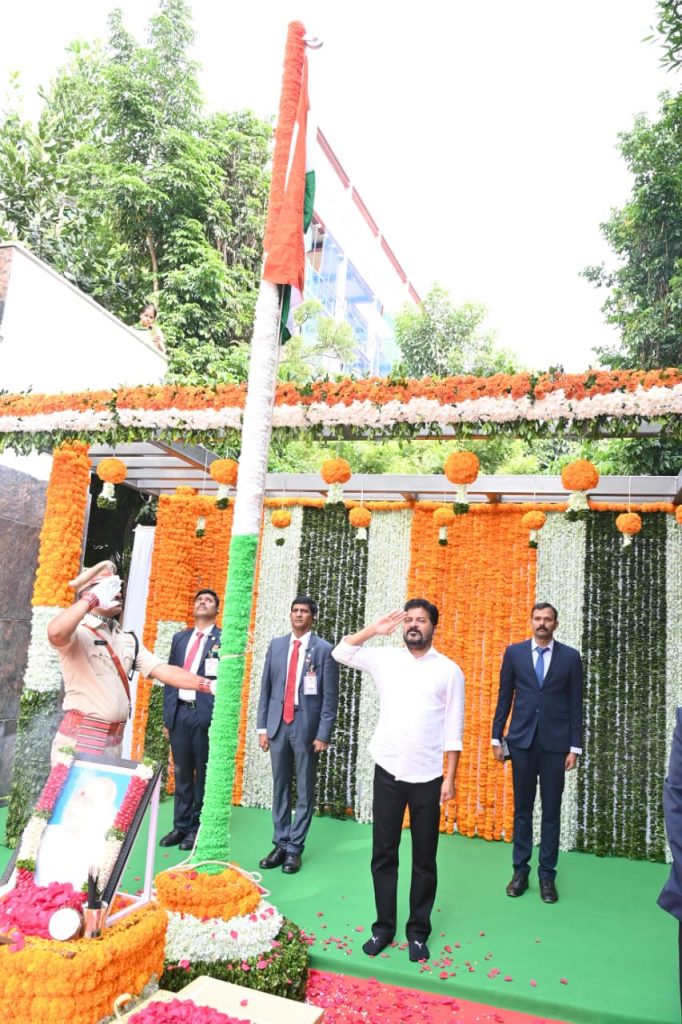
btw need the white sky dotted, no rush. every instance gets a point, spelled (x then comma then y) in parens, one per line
(480, 133)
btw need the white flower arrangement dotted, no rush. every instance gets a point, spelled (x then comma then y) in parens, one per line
(673, 630)
(277, 579)
(560, 579)
(647, 403)
(165, 631)
(43, 672)
(213, 939)
(388, 563)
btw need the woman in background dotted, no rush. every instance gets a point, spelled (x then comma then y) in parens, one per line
(148, 323)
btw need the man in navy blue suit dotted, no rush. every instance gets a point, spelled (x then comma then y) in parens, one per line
(297, 708)
(187, 717)
(544, 680)
(671, 894)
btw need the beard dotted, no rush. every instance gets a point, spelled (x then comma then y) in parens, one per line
(416, 640)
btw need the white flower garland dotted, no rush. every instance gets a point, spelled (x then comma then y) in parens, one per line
(43, 672)
(560, 579)
(673, 632)
(647, 403)
(388, 563)
(165, 631)
(276, 589)
(213, 939)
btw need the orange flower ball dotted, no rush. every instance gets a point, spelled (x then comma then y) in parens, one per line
(443, 517)
(335, 471)
(185, 492)
(629, 522)
(533, 520)
(281, 518)
(224, 471)
(580, 475)
(461, 467)
(112, 471)
(360, 517)
(678, 514)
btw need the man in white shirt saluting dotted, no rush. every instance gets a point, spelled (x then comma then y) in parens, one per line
(421, 712)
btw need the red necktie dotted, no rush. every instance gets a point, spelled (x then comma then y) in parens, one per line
(192, 652)
(292, 676)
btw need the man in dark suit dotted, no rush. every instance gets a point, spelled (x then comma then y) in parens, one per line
(296, 713)
(187, 717)
(544, 679)
(671, 894)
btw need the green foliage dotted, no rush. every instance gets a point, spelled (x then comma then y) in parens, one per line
(39, 716)
(323, 338)
(645, 289)
(130, 190)
(285, 975)
(439, 338)
(669, 28)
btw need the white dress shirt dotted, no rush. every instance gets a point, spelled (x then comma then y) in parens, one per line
(191, 695)
(421, 708)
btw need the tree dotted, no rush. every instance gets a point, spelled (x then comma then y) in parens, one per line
(131, 191)
(439, 338)
(319, 337)
(645, 300)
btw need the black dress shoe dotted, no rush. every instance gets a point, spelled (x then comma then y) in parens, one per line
(274, 858)
(292, 863)
(187, 843)
(548, 893)
(173, 838)
(518, 884)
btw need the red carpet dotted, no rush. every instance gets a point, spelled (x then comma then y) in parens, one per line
(367, 1001)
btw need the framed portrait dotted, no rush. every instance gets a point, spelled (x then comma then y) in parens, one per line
(94, 816)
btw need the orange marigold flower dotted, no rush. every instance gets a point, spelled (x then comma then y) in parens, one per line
(360, 517)
(281, 518)
(225, 895)
(580, 475)
(678, 514)
(629, 522)
(335, 471)
(461, 467)
(224, 471)
(443, 516)
(112, 471)
(533, 520)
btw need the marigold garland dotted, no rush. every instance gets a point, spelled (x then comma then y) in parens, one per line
(78, 981)
(629, 524)
(461, 467)
(224, 472)
(62, 531)
(580, 475)
(360, 517)
(225, 895)
(484, 602)
(443, 517)
(281, 519)
(678, 514)
(533, 521)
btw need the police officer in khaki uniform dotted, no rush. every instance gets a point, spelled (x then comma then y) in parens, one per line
(97, 660)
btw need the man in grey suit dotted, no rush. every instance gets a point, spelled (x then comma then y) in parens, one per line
(296, 713)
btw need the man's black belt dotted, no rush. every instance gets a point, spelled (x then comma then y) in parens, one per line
(187, 703)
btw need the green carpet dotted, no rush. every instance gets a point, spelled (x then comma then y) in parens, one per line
(606, 937)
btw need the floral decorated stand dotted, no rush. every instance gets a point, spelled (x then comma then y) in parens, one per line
(221, 925)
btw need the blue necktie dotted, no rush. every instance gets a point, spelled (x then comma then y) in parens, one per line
(540, 663)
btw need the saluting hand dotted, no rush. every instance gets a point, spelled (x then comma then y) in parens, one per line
(387, 623)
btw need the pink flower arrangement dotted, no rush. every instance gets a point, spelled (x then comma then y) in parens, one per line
(28, 907)
(182, 1011)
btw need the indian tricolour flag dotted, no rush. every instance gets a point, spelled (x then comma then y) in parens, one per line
(292, 195)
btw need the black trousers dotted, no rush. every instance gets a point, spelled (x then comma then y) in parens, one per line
(391, 797)
(550, 767)
(189, 743)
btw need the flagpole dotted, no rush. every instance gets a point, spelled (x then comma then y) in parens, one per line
(213, 841)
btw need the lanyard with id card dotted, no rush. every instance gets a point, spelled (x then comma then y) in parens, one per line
(309, 680)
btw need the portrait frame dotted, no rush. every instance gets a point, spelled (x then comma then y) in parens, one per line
(89, 800)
